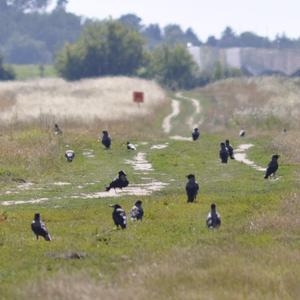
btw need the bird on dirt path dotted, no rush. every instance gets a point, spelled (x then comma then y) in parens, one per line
(213, 219)
(223, 153)
(120, 182)
(137, 211)
(119, 216)
(195, 134)
(272, 166)
(191, 188)
(130, 146)
(106, 139)
(69, 155)
(39, 228)
(229, 149)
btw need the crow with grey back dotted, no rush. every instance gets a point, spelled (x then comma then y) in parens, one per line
(213, 219)
(137, 211)
(195, 134)
(229, 149)
(69, 155)
(39, 228)
(119, 216)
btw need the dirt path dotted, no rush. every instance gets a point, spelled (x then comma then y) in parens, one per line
(139, 164)
(192, 122)
(241, 156)
(175, 112)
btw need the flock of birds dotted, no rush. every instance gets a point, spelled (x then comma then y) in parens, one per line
(119, 216)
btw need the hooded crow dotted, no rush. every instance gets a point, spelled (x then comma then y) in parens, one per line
(191, 188)
(130, 146)
(229, 149)
(195, 134)
(223, 153)
(242, 133)
(213, 219)
(137, 211)
(69, 155)
(106, 140)
(119, 182)
(39, 228)
(119, 216)
(57, 130)
(272, 166)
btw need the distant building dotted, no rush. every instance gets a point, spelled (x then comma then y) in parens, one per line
(255, 61)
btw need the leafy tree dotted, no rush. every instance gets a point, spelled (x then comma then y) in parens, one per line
(104, 48)
(228, 38)
(212, 41)
(133, 21)
(5, 72)
(191, 37)
(173, 66)
(153, 35)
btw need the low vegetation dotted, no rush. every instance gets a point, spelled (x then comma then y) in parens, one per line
(170, 254)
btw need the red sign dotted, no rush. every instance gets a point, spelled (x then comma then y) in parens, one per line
(138, 97)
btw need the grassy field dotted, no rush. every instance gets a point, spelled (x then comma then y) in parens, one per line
(26, 72)
(171, 254)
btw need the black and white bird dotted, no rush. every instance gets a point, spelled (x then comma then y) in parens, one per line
(39, 228)
(213, 219)
(69, 155)
(191, 188)
(195, 134)
(106, 139)
(229, 149)
(137, 211)
(242, 132)
(120, 182)
(272, 166)
(130, 146)
(119, 216)
(223, 153)
(57, 130)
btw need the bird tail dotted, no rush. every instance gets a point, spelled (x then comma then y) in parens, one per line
(48, 237)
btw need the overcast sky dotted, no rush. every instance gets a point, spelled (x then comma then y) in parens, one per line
(206, 17)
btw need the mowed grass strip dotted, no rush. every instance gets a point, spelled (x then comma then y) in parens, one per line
(85, 227)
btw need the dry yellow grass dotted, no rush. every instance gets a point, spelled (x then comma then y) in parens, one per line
(106, 99)
(258, 101)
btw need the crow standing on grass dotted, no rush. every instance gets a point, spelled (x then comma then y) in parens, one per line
(213, 219)
(229, 149)
(120, 182)
(191, 188)
(242, 132)
(57, 130)
(137, 211)
(69, 155)
(39, 228)
(130, 146)
(106, 140)
(223, 153)
(119, 216)
(272, 166)
(195, 134)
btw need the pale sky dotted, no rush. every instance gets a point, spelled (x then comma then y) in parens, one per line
(206, 17)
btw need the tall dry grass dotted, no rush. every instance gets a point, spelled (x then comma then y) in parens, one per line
(253, 102)
(106, 99)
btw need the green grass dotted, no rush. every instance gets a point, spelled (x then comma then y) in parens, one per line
(171, 253)
(24, 72)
